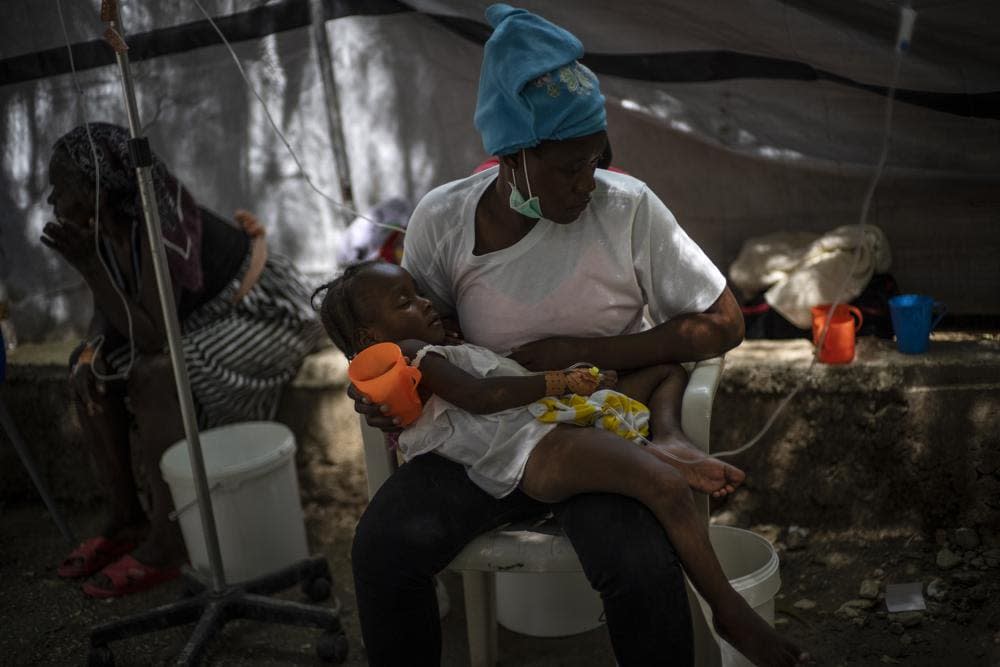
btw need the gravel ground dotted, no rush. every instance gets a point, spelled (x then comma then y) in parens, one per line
(831, 600)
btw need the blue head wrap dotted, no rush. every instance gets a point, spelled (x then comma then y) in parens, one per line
(531, 87)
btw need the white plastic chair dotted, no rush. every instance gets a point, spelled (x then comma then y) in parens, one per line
(510, 550)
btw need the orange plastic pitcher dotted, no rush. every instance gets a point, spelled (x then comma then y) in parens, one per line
(381, 374)
(838, 348)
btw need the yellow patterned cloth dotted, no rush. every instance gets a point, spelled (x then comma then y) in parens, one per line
(607, 409)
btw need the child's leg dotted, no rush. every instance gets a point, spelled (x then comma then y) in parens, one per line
(641, 384)
(571, 460)
(661, 388)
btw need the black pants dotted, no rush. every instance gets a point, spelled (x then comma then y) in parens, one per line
(429, 510)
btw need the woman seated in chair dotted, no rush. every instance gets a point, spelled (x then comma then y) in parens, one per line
(475, 415)
(246, 326)
(551, 261)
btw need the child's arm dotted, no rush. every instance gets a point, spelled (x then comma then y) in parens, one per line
(494, 394)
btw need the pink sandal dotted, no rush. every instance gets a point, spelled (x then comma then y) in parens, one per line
(127, 576)
(91, 556)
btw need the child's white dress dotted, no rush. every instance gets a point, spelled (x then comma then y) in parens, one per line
(494, 448)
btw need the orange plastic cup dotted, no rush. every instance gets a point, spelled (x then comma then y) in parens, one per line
(838, 348)
(381, 374)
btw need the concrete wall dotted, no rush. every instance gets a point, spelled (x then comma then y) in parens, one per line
(889, 440)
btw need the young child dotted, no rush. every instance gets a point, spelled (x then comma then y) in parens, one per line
(474, 413)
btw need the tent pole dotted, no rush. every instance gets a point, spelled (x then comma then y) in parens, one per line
(332, 106)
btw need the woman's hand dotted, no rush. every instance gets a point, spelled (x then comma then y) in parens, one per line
(74, 242)
(375, 414)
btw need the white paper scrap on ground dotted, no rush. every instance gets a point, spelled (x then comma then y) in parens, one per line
(904, 597)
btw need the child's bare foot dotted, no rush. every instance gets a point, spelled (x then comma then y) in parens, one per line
(751, 635)
(703, 473)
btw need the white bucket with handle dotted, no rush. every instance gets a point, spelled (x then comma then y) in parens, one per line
(250, 468)
(751, 565)
(561, 604)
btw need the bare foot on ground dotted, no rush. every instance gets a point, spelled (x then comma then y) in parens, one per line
(702, 472)
(751, 635)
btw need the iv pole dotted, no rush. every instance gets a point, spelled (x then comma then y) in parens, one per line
(217, 604)
(143, 160)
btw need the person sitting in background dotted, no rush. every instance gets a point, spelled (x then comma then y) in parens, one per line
(246, 325)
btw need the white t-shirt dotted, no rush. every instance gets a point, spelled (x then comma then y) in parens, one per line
(590, 278)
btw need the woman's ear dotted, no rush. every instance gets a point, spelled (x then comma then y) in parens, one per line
(511, 161)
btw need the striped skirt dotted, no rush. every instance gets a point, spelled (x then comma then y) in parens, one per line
(240, 356)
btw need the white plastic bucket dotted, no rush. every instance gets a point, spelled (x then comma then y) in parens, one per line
(250, 468)
(559, 604)
(751, 565)
(555, 604)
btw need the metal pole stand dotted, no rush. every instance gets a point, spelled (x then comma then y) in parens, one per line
(210, 604)
(248, 600)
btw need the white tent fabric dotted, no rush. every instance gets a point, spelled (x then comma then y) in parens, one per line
(799, 270)
(746, 118)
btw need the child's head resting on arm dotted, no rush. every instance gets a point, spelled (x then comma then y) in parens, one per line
(375, 301)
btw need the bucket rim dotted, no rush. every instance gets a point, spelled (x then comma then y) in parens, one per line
(180, 470)
(764, 582)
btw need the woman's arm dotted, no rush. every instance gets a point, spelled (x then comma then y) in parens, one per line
(76, 244)
(148, 328)
(690, 337)
(493, 394)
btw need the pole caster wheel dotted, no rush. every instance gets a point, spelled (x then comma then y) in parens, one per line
(332, 647)
(317, 589)
(100, 656)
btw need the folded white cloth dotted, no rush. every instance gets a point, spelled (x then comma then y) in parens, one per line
(801, 269)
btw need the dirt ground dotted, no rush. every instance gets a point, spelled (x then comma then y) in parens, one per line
(830, 601)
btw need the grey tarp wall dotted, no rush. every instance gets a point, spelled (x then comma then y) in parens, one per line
(746, 118)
